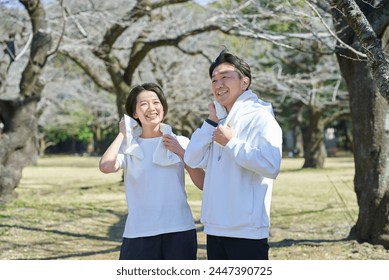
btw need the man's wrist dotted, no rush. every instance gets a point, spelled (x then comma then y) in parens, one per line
(211, 122)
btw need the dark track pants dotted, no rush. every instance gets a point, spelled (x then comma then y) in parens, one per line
(168, 246)
(229, 248)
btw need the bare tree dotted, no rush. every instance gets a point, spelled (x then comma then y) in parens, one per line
(18, 112)
(133, 47)
(362, 26)
(357, 37)
(109, 44)
(304, 75)
(309, 87)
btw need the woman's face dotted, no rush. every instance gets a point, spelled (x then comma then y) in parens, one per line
(149, 109)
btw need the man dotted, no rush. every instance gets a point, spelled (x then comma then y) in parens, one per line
(240, 147)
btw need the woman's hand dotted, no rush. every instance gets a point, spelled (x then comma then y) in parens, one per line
(172, 145)
(122, 126)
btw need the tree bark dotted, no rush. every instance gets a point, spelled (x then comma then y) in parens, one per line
(378, 66)
(314, 150)
(18, 140)
(371, 146)
(368, 110)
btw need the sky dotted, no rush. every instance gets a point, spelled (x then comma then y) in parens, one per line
(203, 2)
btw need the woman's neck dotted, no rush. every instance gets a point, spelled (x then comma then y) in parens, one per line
(151, 131)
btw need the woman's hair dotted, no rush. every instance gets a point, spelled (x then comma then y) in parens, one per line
(132, 96)
(241, 66)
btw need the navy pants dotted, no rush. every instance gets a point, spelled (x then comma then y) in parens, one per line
(229, 248)
(168, 246)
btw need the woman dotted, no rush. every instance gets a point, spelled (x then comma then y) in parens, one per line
(159, 224)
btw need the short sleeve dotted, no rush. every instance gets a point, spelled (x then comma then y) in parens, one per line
(184, 141)
(121, 161)
(121, 158)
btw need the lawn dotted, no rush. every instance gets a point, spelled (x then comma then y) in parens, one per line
(67, 209)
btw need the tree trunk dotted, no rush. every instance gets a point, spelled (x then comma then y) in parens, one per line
(298, 133)
(19, 147)
(314, 150)
(371, 146)
(18, 140)
(368, 111)
(299, 147)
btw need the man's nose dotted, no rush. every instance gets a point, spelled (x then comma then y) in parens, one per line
(218, 84)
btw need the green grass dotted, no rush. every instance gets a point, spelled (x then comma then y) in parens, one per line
(67, 209)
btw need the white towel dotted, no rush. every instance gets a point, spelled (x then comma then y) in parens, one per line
(133, 130)
(221, 111)
(161, 156)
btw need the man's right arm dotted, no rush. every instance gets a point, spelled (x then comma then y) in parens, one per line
(199, 147)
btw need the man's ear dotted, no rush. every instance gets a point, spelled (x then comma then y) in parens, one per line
(246, 81)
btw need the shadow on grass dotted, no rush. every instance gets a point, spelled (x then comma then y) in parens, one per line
(87, 236)
(200, 229)
(114, 234)
(285, 242)
(86, 254)
(307, 212)
(116, 230)
(306, 242)
(70, 234)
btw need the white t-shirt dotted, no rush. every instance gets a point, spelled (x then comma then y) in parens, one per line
(156, 197)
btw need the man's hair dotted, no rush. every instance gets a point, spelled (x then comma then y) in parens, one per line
(241, 66)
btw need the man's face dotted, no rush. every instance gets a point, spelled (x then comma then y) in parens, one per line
(227, 84)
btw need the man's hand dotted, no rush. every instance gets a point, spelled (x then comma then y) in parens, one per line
(223, 134)
(212, 112)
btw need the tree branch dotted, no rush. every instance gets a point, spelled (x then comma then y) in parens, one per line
(378, 64)
(89, 70)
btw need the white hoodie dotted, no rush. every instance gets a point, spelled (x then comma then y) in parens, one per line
(239, 177)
